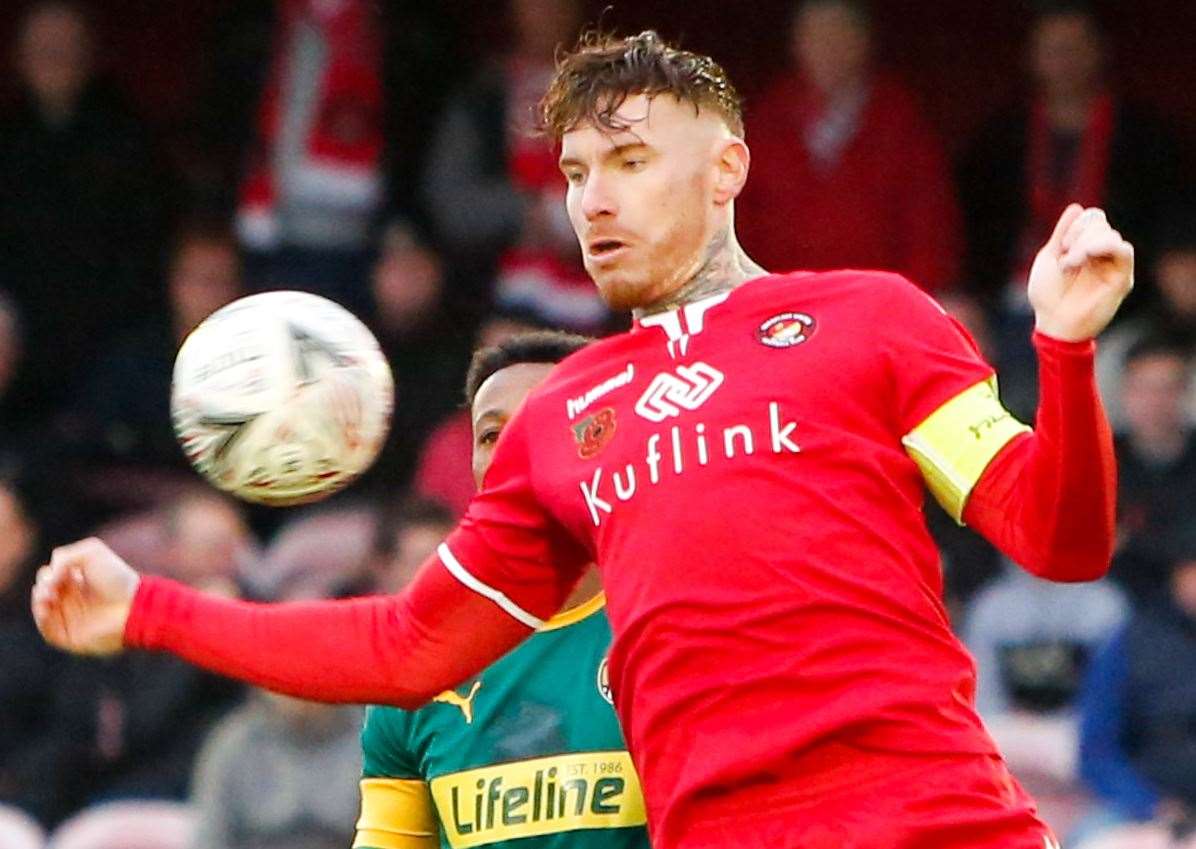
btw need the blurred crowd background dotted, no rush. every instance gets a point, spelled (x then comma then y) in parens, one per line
(158, 160)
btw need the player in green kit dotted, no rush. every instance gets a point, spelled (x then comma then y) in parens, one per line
(528, 754)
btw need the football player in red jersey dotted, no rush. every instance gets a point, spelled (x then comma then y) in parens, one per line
(747, 467)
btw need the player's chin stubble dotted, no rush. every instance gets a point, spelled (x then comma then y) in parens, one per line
(620, 291)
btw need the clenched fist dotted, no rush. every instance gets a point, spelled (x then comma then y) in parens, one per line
(1081, 276)
(82, 598)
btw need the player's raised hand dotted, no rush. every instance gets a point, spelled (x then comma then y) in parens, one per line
(82, 598)
(1081, 276)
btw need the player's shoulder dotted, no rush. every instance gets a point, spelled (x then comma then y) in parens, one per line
(585, 623)
(860, 287)
(384, 724)
(579, 368)
(388, 748)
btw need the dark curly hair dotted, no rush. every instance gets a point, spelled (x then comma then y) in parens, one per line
(594, 79)
(538, 346)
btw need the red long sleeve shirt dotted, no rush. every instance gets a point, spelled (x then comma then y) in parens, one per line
(748, 473)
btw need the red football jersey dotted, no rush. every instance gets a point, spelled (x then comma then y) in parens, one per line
(748, 473)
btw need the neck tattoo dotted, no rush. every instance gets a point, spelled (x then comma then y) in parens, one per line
(724, 268)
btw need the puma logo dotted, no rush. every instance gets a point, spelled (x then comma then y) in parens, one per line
(465, 703)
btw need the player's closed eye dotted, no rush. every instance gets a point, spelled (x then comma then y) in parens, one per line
(634, 164)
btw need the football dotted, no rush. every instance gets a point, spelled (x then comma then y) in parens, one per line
(281, 398)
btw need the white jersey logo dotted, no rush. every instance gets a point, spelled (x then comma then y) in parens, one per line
(576, 406)
(686, 389)
(678, 332)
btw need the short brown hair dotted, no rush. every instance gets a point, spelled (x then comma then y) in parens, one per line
(593, 80)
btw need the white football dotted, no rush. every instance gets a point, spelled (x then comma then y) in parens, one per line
(281, 398)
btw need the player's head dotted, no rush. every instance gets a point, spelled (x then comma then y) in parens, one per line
(500, 377)
(652, 147)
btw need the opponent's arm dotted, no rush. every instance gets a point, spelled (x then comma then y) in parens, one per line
(397, 811)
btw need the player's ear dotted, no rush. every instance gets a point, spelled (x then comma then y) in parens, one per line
(731, 164)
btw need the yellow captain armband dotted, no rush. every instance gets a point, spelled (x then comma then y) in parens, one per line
(396, 813)
(956, 442)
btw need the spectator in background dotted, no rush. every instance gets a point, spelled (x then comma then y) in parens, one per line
(208, 544)
(130, 727)
(493, 187)
(324, 551)
(28, 672)
(423, 341)
(1172, 314)
(421, 60)
(81, 208)
(846, 173)
(122, 412)
(314, 183)
(1138, 736)
(406, 536)
(1074, 140)
(11, 345)
(1031, 639)
(279, 773)
(1156, 462)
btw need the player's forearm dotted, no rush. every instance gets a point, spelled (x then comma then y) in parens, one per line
(1048, 500)
(399, 650)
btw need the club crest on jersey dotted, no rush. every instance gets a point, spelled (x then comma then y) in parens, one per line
(604, 682)
(593, 432)
(786, 330)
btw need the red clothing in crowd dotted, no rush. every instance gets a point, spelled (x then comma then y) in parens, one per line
(885, 201)
(444, 472)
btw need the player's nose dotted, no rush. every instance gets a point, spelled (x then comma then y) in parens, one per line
(597, 199)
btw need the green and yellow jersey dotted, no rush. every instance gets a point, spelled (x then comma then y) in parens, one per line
(528, 755)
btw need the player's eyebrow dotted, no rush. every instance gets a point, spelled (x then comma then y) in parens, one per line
(493, 413)
(611, 153)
